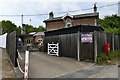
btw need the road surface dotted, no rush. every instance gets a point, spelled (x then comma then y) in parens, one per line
(46, 66)
(43, 65)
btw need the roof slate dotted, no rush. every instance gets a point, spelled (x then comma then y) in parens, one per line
(74, 16)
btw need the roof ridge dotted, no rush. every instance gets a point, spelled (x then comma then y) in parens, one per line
(74, 16)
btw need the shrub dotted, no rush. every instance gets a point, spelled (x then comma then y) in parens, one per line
(111, 56)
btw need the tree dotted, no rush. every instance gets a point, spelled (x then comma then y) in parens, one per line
(41, 28)
(111, 24)
(30, 28)
(8, 26)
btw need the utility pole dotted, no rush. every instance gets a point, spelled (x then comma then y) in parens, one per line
(22, 29)
(119, 8)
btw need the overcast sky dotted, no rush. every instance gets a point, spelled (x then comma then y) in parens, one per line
(33, 7)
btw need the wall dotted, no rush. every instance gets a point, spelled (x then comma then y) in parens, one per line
(53, 25)
(84, 21)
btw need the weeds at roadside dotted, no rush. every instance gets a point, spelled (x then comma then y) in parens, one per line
(108, 58)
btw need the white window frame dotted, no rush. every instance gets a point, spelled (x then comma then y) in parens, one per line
(68, 22)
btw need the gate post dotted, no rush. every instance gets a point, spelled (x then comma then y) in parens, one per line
(78, 45)
(95, 46)
(26, 64)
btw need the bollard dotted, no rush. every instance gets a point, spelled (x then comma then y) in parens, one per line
(26, 64)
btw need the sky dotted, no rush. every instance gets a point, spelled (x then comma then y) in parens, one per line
(37, 7)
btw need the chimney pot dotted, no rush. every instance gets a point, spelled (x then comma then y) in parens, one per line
(95, 8)
(51, 15)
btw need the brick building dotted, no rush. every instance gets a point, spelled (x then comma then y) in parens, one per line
(70, 20)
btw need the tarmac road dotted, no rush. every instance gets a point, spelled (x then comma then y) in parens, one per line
(95, 72)
(46, 66)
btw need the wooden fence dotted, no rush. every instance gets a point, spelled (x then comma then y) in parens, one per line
(67, 44)
(103, 38)
(12, 48)
(70, 45)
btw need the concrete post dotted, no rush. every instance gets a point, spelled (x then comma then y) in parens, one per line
(26, 64)
(95, 47)
(78, 45)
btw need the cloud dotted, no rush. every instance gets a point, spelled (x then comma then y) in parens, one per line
(60, 1)
(30, 7)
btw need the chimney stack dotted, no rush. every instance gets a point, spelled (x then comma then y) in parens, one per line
(95, 8)
(51, 15)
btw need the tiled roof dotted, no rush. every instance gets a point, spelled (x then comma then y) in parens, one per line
(74, 16)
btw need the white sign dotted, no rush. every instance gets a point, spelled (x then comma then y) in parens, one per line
(85, 38)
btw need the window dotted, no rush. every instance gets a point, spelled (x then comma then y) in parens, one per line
(68, 23)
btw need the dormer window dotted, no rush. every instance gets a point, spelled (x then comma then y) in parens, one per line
(68, 23)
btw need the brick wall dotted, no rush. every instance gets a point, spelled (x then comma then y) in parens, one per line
(55, 25)
(61, 24)
(84, 21)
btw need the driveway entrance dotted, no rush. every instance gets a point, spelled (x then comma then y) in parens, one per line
(46, 66)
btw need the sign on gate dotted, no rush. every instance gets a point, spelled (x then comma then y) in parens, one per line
(53, 49)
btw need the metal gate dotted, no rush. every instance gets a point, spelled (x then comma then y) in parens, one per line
(12, 48)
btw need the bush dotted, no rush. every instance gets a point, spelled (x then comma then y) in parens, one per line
(109, 57)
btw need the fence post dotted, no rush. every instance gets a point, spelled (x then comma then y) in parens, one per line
(26, 64)
(48, 48)
(113, 42)
(105, 38)
(78, 45)
(95, 47)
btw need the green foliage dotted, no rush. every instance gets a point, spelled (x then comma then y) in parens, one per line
(111, 56)
(111, 24)
(30, 28)
(8, 26)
